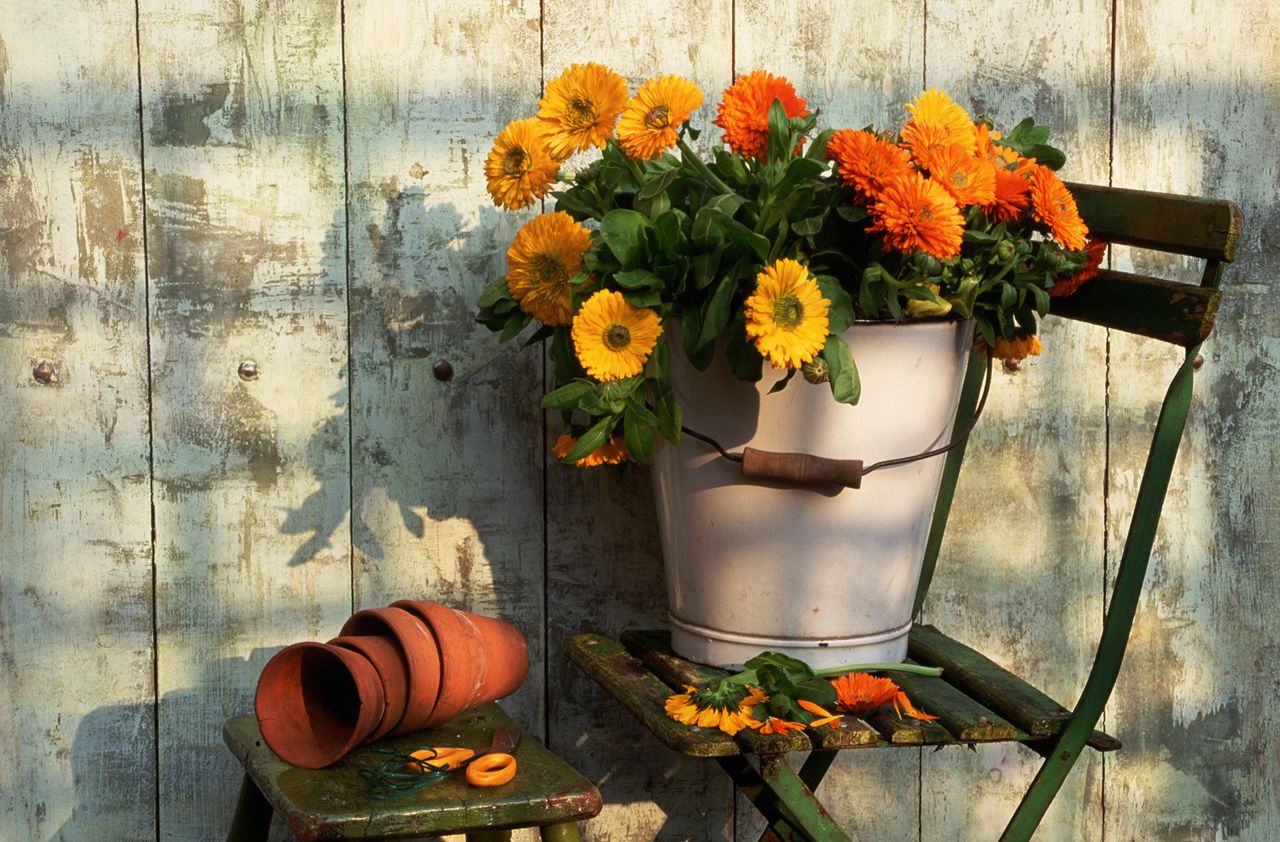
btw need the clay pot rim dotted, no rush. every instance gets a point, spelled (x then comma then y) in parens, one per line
(391, 715)
(423, 660)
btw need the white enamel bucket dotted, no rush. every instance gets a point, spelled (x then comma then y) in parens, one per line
(827, 578)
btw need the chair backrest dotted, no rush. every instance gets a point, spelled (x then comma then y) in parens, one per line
(1182, 314)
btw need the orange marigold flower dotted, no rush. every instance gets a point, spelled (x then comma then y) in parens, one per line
(1094, 252)
(937, 121)
(903, 705)
(743, 112)
(865, 162)
(651, 118)
(612, 452)
(1012, 196)
(580, 107)
(1053, 205)
(825, 717)
(520, 167)
(1015, 349)
(916, 213)
(861, 693)
(545, 254)
(774, 725)
(969, 180)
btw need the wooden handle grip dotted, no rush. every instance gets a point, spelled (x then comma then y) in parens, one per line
(801, 468)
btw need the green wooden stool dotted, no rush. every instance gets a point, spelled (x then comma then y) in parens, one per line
(334, 803)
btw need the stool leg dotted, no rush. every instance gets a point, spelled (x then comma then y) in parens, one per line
(489, 836)
(564, 832)
(252, 821)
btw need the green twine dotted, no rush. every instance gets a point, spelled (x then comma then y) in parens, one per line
(395, 777)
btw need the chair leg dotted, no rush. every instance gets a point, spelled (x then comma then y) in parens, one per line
(252, 821)
(563, 832)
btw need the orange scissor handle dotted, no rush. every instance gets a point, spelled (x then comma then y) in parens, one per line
(444, 757)
(493, 769)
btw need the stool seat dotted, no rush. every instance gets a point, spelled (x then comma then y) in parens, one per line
(334, 803)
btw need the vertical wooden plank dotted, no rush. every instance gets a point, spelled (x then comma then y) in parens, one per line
(242, 107)
(1021, 571)
(858, 64)
(1196, 112)
(604, 564)
(77, 743)
(447, 473)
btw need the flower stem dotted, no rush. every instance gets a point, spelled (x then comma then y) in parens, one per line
(687, 154)
(917, 669)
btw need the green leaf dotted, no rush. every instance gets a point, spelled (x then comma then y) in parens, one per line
(816, 690)
(591, 439)
(643, 298)
(538, 335)
(779, 132)
(623, 232)
(638, 279)
(715, 314)
(840, 314)
(742, 236)
(669, 229)
(705, 266)
(809, 226)
(1051, 157)
(843, 373)
(786, 663)
(516, 322)
(638, 433)
(670, 416)
(1041, 298)
(818, 148)
(567, 396)
(797, 171)
(659, 184)
(493, 293)
(851, 213)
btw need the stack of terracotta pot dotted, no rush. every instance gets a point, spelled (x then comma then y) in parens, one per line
(392, 671)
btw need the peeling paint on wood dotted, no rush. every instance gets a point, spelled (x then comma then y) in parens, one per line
(1196, 699)
(246, 248)
(76, 739)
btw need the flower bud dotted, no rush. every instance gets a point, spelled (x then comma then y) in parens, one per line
(816, 372)
(1005, 251)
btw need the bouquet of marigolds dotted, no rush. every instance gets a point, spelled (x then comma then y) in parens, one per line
(767, 251)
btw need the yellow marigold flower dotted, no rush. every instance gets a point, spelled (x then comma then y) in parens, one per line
(580, 108)
(969, 180)
(861, 693)
(865, 162)
(1053, 205)
(1017, 348)
(743, 112)
(519, 168)
(787, 315)
(937, 121)
(651, 118)
(727, 707)
(825, 717)
(916, 213)
(612, 338)
(545, 254)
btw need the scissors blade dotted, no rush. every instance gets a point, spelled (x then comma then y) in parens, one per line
(505, 739)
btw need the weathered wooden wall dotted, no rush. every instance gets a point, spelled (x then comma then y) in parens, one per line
(187, 186)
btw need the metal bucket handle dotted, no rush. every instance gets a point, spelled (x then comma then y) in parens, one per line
(806, 469)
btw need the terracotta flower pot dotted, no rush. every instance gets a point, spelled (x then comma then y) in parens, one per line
(422, 659)
(393, 668)
(482, 659)
(316, 702)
